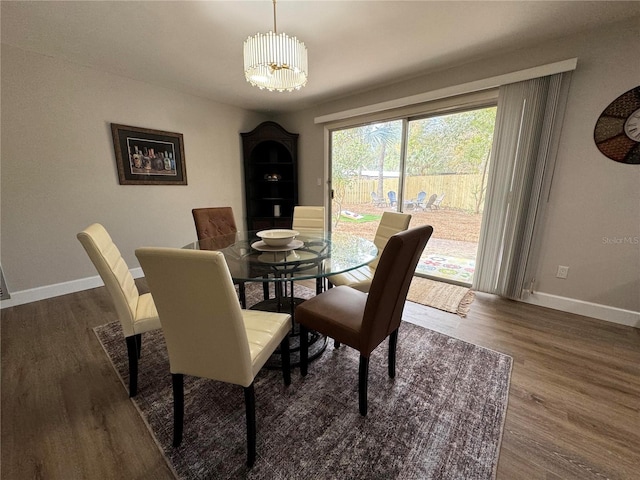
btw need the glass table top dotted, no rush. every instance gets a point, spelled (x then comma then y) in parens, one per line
(309, 256)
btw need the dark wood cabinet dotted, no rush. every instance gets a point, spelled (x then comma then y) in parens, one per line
(270, 176)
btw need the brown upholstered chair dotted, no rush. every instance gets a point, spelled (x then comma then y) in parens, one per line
(363, 321)
(214, 222)
(218, 223)
(207, 333)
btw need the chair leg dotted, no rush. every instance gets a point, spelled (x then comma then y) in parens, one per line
(286, 361)
(178, 407)
(139, 343)
(393, 342)
(243, 294)
(132, 353)
(265, 290)
(304, 349)
(336, 344)
(363, 376)
(250, 403)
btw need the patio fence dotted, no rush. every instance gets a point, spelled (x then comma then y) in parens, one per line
(459, 190)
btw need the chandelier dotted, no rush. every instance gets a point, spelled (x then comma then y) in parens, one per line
(275, 61)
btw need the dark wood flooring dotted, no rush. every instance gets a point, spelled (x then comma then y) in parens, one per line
(574, 402)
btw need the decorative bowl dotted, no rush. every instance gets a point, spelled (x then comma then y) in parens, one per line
(277, 237)
(273, 177)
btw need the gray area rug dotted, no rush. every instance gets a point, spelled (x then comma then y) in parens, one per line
(254, 292)
(440, 418)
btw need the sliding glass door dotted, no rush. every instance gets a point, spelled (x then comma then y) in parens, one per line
(433, 167)
(445, 180)
(365, 175)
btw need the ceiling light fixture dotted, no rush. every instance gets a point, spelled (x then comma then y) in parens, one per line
(275, 61)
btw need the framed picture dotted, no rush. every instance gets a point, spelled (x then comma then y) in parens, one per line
(148, 157)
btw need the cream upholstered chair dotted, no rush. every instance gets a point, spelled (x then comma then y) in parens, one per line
(308, 220)
(137, 313)
(360, 278)
(362, 321)
(207, 333)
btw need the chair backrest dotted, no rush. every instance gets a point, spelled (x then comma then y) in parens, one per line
(308, 220)
(421, 196)
(199, 312)
(390, 224)
(214, 221)
(390, 285)
(438, 200)
(392, 197)
(432, 199)
(378, 201)
(114, 273)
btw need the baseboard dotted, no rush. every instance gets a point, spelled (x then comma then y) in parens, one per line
(50, 291)
(570, 305)
(588, 309)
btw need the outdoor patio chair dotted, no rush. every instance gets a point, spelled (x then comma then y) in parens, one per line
(393, 199)
(436, 204)
(418, 202)
(378, 201)
(427, 206)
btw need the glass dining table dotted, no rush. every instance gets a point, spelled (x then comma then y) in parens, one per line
(310, 256)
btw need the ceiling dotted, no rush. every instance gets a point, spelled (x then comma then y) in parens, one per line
(196, 47)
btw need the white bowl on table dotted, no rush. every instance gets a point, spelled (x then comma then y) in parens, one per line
(278, 237)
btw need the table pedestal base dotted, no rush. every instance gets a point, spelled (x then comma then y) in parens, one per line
(317, 341)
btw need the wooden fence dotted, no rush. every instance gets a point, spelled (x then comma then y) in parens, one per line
(460, 190)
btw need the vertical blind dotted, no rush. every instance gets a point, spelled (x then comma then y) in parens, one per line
(528, 122)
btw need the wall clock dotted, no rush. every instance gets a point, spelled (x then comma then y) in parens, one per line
(617, 132)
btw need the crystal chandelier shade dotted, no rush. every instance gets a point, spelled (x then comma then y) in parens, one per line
(275, 61)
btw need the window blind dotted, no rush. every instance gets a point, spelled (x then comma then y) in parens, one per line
(527, 127)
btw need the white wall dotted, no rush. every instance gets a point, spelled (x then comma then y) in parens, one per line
(59, 173)
(592, 197)
(58, 170)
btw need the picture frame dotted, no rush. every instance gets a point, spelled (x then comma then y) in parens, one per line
(148, 157)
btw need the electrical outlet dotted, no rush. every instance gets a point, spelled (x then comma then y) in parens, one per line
(563, 271)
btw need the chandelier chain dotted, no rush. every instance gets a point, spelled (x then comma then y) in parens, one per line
(275, 28)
